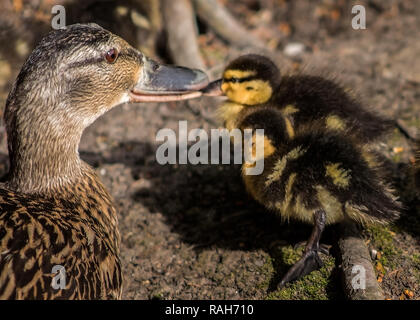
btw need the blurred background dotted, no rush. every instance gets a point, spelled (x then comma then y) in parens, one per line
(191, 232)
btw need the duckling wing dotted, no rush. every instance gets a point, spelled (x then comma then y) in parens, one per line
(311, 98)
(326, 171)
(47, 252)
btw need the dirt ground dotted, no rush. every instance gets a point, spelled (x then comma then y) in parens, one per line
(191, 231)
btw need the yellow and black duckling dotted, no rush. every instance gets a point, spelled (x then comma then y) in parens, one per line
(255, 80)
(54, 211)
(312, 172)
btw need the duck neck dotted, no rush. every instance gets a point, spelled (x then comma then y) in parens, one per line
(43, 153)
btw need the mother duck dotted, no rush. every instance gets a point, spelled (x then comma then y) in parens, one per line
(59, 237)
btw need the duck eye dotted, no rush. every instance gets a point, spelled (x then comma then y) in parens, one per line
(111, 55)
(234, 80)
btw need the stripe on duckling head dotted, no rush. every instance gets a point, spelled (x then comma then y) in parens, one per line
(238, 74)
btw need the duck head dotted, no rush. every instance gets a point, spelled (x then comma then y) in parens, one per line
(71, 78)
(90, 70)
(247, 80)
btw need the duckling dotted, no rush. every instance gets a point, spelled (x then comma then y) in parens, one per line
(253, 80)
(316, 176)
(312, 172)
(55, 214)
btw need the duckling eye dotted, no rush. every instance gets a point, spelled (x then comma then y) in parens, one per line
(234, 80)
(111, 55)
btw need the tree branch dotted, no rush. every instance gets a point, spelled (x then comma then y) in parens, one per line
(179, 20)
(354, 253)
(224, 24)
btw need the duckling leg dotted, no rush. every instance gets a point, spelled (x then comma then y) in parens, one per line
(310, 260)
(323, 248)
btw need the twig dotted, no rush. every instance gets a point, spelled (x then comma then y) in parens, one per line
(179, 19)
(224, 24)
(357, 266)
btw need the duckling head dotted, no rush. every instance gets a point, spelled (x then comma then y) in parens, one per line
(250, 79)
(71, 78)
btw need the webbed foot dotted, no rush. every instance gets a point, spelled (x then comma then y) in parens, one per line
(309, 262)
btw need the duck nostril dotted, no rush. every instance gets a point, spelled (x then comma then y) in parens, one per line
(155, 67)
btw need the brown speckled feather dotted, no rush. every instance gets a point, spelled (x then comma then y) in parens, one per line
(78, 233)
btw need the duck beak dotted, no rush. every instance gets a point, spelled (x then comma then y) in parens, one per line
(214, 89)
(162, 83)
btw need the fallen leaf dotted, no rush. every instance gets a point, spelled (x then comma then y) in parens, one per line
(380, 268)
(409, 293)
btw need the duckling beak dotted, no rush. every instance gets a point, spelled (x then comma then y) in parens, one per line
(214, 89)
(162, 83)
